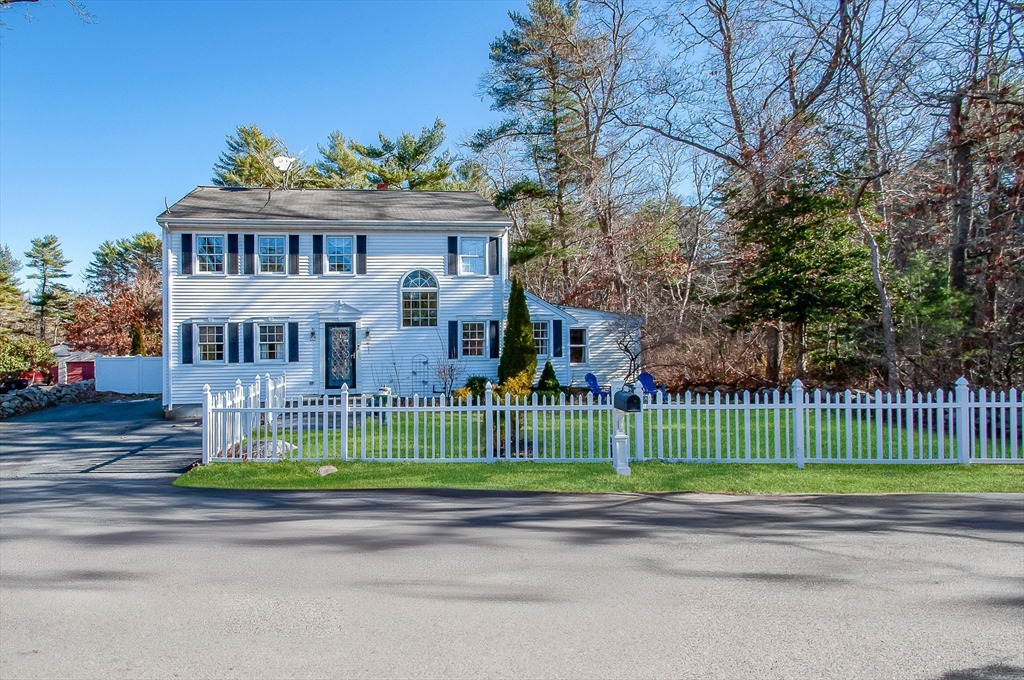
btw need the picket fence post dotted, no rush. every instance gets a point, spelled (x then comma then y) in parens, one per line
(796, 394)
(638, 423)
(207, 414)
(489, 420)
(343, 430)
(963, 421)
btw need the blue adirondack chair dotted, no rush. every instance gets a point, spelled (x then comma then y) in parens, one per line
(595, 389)
(649, 387)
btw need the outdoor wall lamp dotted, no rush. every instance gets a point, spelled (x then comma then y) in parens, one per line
(312, 334)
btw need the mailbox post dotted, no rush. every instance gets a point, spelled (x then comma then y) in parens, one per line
(622, 403)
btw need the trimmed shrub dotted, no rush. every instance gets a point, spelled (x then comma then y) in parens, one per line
(548, 385)
(518, 352)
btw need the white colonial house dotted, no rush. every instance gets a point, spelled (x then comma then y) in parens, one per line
(368, 289)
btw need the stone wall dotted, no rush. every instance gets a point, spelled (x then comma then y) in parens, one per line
(36, 398)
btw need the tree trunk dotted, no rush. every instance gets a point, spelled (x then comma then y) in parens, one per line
(800, 331)
(774, 353)
(888, 332)
(962, 172)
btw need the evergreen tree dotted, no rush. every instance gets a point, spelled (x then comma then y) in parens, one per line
(47, 258)
(249, 162)
(12, 299)
(409, 161)
(123, 261)
(341, 167)
(548, 384)
(518, 352)
(534, 67)
(804, 262)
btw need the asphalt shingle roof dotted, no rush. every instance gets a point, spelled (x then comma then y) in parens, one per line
(334, 204)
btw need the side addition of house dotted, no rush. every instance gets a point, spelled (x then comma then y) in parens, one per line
(342, 287)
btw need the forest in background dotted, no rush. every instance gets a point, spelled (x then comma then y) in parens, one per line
(783, 189)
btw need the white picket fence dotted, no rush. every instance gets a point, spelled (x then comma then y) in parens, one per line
(260, 423)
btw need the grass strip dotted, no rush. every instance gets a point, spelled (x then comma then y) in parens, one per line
(600, 478)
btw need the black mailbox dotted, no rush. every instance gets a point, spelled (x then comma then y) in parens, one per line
(627, 401)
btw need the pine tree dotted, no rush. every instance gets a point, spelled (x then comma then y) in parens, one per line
(47, 258)
(341, 167)
(518, 352)
(249, 162)
(12, 299)
(409, 161)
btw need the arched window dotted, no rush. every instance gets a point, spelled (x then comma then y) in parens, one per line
(419, 299)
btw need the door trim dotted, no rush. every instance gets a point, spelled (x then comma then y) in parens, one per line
(326, 348)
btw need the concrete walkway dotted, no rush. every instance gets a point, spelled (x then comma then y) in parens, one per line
(108, 571)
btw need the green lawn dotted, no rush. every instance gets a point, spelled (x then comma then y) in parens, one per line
(599, 477)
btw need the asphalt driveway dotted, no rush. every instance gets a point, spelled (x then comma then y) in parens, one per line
(108, 571)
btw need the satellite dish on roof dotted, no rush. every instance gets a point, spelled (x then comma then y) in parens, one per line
(282, 163)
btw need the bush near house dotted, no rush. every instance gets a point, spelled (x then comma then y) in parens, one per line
(20, 353)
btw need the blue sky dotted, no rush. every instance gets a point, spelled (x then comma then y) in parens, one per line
(100, 122)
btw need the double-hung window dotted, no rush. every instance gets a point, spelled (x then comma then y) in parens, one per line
(339, 255)
(211, 343)
(577, 345)
(272, 342)
(541, 338)
(473, 256)
(272, 254)
(472, 338)
(210, 254)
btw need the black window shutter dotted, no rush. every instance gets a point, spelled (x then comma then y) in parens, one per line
(247, 343)
(293, 341)
(233, 254)
(361, 254)
(318, 254)
(186, 343)
(453, 339)
(232, 343)
(494, 257)
(493, 332)
(453, 255)
(250, 253)
(186, 254)
(293, 254)
(556, 338)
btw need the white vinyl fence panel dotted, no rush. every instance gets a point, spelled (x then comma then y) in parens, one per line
(260, 423)
(129, 375)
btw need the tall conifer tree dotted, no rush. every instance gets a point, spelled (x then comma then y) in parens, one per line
(47, 258)
(518, 352)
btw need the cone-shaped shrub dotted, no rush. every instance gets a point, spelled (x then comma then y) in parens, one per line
(518, 353)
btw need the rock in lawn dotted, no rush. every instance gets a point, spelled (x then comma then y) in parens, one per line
(325, 470)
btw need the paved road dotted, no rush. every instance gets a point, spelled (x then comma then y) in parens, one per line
(107, 571)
